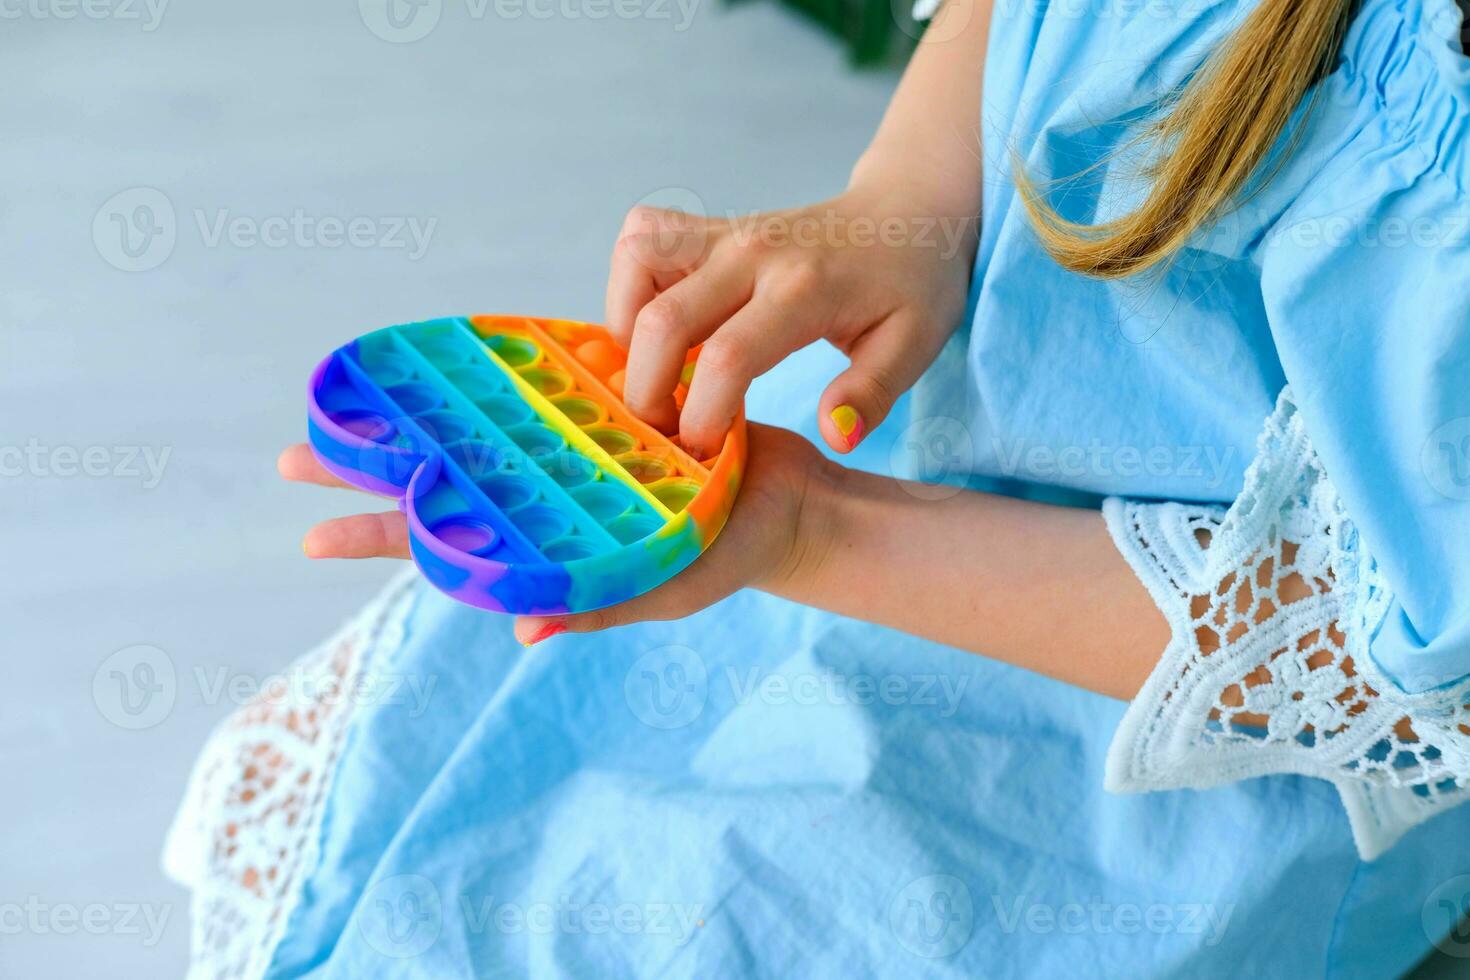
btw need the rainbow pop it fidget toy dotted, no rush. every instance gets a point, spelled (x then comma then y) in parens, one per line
(528, 486)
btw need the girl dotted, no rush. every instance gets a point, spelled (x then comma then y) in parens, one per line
(1197, 380)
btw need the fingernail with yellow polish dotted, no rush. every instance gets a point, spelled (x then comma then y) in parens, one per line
(849, 423)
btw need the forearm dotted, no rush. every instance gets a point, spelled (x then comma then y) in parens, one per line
(929, 141)
(1037, 586)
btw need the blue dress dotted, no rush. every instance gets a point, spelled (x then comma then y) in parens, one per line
(767, 790)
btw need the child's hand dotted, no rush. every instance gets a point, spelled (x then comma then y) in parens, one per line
(377, 535)
(879, 279)
(768, 540)
(760, 545)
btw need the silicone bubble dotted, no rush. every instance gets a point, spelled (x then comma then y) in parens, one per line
(514, 350)
(614, 439)
(569, 548)
(579, 410)
(548, 381)
(527, 485)
(604, 500)
(645, 467)
(506, 410)
(415, 399)
(479, 383)
(465, 532)
(602, 357)
(675, 494)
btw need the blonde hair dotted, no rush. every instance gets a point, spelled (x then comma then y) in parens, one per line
(1214, 136)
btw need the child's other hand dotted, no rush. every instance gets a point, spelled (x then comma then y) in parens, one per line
(377, 535)
(882, 281)
(771, 538)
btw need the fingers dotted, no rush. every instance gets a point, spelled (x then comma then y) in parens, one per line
(360, 536)
(752, 342)
(677, 319)
(630, 285)
(701, 584)
(886, 361)
(655, 249)
(298, 463)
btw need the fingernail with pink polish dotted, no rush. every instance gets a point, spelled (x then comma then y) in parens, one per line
(545, 633)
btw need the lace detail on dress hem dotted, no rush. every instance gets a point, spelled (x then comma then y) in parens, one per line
(246, 834)
(1272, 605)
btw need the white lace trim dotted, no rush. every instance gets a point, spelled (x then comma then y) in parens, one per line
(246, 834)
(1272, 605)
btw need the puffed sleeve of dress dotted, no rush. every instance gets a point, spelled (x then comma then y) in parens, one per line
(1321, 622)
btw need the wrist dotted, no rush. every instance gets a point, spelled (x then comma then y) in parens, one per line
(939, 217)
(815, 532)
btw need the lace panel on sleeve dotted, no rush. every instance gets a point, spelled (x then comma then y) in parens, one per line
(1271, 606)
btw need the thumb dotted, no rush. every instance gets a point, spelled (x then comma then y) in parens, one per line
(886, 361)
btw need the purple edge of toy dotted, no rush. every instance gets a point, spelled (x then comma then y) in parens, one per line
(420, 536)
(483, 571)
